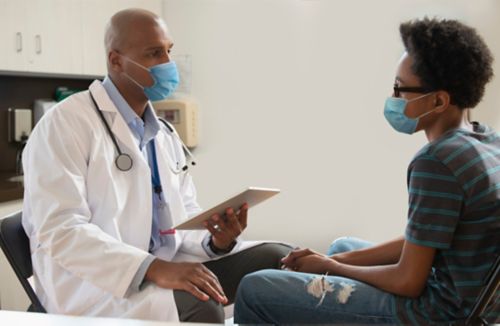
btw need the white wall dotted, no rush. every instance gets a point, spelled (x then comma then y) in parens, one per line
(291, 95)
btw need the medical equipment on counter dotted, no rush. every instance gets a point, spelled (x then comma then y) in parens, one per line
(62, 92)
(124, 162)
(183, 115)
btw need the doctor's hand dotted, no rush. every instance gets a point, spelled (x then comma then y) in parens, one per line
(308, 261)
(194, 278)
(226, 229)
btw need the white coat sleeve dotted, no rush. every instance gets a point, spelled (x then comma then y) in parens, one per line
(59, 218)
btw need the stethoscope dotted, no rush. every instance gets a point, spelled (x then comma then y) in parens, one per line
(124, 162)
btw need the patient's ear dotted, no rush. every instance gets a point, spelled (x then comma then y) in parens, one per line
(442, 101)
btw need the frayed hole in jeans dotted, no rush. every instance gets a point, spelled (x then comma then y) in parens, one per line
(319, 287)
(345, 292)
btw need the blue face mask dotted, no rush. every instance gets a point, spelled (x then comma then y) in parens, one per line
(394, 112)
(166, 80)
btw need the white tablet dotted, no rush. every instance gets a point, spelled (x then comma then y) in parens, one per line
(252, 196)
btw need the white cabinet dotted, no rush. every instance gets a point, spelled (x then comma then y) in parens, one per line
(59, 36)
(54, 37)
(41, 36)
(12, 35)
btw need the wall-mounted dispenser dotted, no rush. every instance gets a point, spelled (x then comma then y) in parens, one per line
(183, 115)
(20, 124)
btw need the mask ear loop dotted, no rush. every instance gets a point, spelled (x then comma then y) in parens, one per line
(418, 98)
(136, 63)
(141, 66)
(133, 80)
(426, 113)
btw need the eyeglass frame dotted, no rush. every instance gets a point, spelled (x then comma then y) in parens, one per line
(414, 89)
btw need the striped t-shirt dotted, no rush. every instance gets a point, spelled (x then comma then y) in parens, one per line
(454, 206)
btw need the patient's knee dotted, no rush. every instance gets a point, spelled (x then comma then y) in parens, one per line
(250, 286)
(345, 244)
(339, 245)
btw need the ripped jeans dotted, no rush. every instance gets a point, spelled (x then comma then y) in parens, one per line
(282, 297)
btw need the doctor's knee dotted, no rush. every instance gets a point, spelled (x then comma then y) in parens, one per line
(190, 309)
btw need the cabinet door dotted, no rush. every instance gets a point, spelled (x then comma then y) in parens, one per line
(13, 35)
(96, 14)
(54, 36)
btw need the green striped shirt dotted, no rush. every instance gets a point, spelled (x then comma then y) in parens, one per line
(454, 206)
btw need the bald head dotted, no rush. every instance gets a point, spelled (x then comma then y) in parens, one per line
(128, 27)
(135, 40)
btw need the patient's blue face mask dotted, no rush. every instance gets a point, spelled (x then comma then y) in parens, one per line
(165, 76)
(394, 112)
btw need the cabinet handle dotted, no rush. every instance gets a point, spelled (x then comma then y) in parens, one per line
(19, 42)
(38, 40)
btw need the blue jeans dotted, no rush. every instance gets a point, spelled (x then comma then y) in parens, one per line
(281, 297)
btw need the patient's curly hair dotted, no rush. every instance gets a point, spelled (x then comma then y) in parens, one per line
(449, 56)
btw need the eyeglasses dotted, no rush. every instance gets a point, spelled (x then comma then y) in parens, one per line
(398, 90)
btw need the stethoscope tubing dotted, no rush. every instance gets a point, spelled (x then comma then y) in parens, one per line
(123, 161)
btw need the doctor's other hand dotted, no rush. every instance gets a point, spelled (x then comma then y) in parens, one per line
(308, 261)
(226, 229)
(194, 278)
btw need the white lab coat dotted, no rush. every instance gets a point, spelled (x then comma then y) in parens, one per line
(89, 223)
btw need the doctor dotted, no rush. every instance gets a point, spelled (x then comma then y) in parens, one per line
(100, 203)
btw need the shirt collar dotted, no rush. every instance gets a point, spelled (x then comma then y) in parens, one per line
(125, 110)
(150, 123)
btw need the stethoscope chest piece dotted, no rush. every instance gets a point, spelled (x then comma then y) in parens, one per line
(124, 162)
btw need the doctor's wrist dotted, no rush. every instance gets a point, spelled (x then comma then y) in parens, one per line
(153, 270)
(218, 249)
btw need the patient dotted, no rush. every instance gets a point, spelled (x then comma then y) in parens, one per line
(434, 273)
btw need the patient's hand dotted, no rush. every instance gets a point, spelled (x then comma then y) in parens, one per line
(307, 261)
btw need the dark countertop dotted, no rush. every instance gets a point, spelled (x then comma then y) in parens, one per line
(10, 190)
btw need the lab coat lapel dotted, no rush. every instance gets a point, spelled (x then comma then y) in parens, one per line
(138, 178)
(119, 127)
